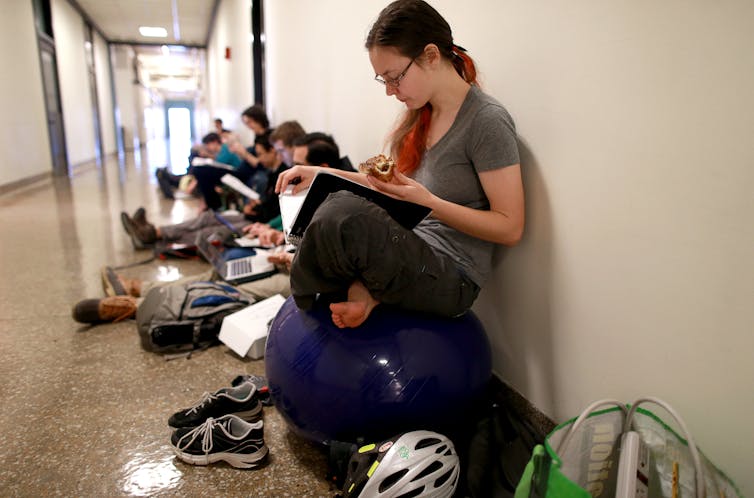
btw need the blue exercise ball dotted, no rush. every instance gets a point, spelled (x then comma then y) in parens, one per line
(398, 371)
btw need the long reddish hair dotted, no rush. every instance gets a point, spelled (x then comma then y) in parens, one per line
(409, 139)
(409, 26)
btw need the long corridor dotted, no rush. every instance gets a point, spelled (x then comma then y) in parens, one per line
(85, 409)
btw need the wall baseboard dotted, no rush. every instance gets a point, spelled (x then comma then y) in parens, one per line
(78, 168)
(522, 407)
(24, 182)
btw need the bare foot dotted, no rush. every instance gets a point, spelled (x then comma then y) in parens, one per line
(356, 310)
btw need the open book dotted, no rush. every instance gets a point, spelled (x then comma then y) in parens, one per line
(297, 210)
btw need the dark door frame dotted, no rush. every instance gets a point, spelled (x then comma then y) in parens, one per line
(91, 66)
(257, 50)
(53, 107)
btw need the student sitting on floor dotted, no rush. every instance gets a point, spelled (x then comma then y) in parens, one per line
(128, 293)
(210, 148)
(123, 293)
(282, 139)
(315, 148)
(251, 171)
(143, 233)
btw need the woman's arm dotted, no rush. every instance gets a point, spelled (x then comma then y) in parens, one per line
(502, 224)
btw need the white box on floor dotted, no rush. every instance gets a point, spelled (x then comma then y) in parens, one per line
(245, 331)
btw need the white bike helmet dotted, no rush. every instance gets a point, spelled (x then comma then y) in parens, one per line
(418, 463)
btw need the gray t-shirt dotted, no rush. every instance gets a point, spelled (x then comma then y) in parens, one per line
(482, 138)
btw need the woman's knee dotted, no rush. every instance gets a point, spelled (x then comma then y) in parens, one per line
(349, 218)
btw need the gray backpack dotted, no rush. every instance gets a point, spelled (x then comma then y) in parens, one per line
(184, 317)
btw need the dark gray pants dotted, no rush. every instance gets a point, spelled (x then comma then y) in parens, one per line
(205, 222)
(350, 238)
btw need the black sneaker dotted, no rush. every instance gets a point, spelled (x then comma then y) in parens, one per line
(140, 216)
(263, 390)
(242, 401)
(163, 181)
(228, 438)
(127, 223)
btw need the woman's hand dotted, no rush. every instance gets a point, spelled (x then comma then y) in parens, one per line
(300, 176)
(404, 188)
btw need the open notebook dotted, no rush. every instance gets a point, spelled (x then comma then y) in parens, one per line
(297, 210)
(235, 265)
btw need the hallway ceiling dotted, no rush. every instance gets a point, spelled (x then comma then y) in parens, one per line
(186, 21)
(178, 74)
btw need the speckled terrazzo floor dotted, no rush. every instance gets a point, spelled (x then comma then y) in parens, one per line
(84, 409)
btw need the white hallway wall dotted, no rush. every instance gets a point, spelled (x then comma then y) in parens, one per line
(105, 95)
(318, 72)
(635, 275)
(24, 149)
(24, 143)
(68, 28)
(126, 94)
(230, 81)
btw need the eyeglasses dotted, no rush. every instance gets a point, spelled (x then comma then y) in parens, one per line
(394, 82)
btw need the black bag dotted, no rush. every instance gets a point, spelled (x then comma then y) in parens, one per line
(164, 250)
(181, 318)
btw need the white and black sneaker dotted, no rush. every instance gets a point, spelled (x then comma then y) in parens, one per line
(241, 400)
(227, 438)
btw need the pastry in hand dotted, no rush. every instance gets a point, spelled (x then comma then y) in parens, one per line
(380, 167)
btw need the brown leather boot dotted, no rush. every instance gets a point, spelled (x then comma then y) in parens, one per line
(108, 309)
(142, 232)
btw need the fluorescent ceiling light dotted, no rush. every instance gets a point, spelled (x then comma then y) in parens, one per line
(153, 31)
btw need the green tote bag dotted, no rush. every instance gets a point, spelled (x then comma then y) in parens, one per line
(581, 458)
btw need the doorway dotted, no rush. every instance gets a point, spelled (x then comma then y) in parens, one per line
(179, 132)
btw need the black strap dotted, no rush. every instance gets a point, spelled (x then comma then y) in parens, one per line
(337, 463)
(130, 265)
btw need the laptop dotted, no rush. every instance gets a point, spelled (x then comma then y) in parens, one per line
(298, 209)
(235, 265)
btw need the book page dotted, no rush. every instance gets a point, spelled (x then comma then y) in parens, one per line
(207, 161)
(290, 205)
(239, 186)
